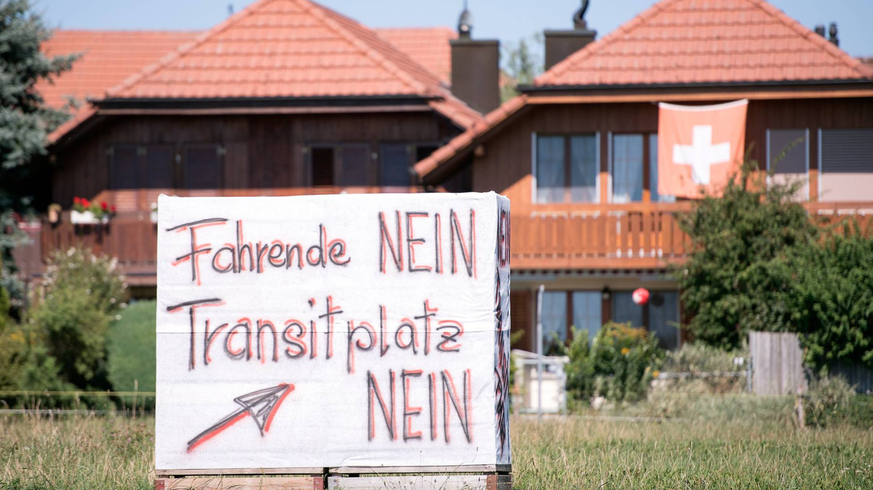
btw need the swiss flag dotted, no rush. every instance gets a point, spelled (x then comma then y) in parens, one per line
(699, 146)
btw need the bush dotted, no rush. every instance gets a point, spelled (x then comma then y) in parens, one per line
(82, 294)
(699, 358)
(705, 369)
(132, 348)
(828, 396)
(74, 332)
(737, 277)
(618, 364)
(97, 276)
(832, 299)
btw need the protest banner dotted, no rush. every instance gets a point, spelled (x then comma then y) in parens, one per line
(333, 331)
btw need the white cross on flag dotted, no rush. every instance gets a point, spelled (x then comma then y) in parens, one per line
(699, 147)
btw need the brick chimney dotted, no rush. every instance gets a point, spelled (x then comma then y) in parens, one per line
(475, 67)
(561, 44)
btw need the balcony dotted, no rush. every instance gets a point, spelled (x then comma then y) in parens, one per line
(614, 236)
(636, 236)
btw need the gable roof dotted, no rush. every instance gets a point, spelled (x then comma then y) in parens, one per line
(426, 45)
(712, 41)
(288, 49)
(678, 43)
(107, 59)
(283, 48)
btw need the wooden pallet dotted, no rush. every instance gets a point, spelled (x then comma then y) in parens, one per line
(484, 477)
(261, 479)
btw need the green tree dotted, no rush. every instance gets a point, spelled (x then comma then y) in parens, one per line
(738, 274)
(25, 119)
(832, 298)
(522, 66)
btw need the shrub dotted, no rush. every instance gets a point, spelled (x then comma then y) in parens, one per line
(827, 397)
(82, 293)
(4, 308)
(737, 277)
(132, 348)
(699, 358)
(832, 299)
(618, 364)
(705, 369)
(74, 332)
(98, 276)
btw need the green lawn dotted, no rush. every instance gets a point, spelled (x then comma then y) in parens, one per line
(573, 452)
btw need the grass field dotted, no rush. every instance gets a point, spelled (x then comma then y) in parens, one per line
(571, 452)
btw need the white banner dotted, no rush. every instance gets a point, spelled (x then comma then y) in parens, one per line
(321, 331)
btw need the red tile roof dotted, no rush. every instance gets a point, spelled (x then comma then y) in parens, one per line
(712, 41)
(426, 45)
(108, 58)
(284, 48)
(273, 48)
(683, 42)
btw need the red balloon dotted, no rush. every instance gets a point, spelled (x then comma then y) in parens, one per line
(641, 296)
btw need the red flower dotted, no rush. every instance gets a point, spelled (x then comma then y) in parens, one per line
(104, 206)
(113, 209)
(86, 203)
(77, 200)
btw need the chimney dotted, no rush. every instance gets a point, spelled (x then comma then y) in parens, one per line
(561, 44)
(832, 31)
(475, 67)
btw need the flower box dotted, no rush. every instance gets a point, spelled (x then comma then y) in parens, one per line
(82, 218)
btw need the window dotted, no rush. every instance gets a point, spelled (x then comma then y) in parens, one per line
(563, 309)
(627, 168)
(550, 169)
(123, 167)
(321, 165)
(787, 151)
(394, 168)
(566, 169)
(587, 314)
(653, 173)
(159, 167)
(663, 316)
(624, 310)
(846, 164)
(554, 319)
(660, 315)
(202, 167)
(356, 165)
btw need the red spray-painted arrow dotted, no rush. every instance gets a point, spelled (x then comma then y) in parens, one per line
(261, 405)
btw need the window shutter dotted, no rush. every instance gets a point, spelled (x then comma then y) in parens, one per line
(202, 167)
(123, 167)
(847, 151)
(159, 167)
(394, 171)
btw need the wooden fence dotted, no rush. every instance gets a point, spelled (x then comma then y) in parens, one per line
(777, 363)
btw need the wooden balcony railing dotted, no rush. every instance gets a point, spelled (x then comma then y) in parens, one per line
(623, 236)
(615, 236)
(133, 242)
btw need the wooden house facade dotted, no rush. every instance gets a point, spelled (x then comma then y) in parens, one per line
(287, 97)
(283, 98)
(576, 153)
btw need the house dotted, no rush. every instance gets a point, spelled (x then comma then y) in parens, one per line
(288, 97)
(576, 152)
(285, 97)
